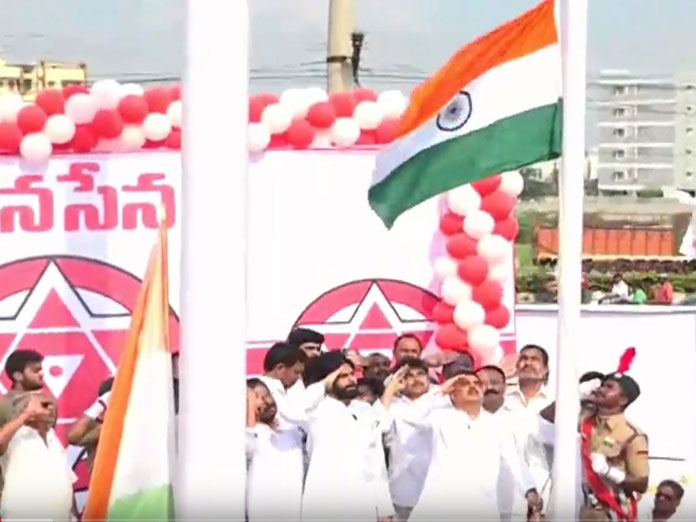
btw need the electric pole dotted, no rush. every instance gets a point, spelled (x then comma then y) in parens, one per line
(339, 68)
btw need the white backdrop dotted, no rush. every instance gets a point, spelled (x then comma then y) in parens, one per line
(664, 367)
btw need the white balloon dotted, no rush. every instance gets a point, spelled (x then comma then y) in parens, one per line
(494, 248)
(36, 148)
(296, 101)
(316, 95)
(132, 138)
(277, 118)
(128, 89)
(493, 356)
(369, 115)
(156, 126)
(80, 108)
(393, 103)
(500, 272)
(478, 224)
(469, 314)
(484, 338)
(345, 132)
(454, 290)
(445, 267)
(512, 183)
(174, 113)
(463, 199)
(59, 128)
(258, 137)
(322, 140)
(106, 94)
(10, 104)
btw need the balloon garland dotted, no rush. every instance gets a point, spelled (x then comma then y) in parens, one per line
(479, 228)
(114, 117)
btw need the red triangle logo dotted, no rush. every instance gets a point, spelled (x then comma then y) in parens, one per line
(53, 314)
(375, 319)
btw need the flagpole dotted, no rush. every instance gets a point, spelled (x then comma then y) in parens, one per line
(570, 227)
(212, 464)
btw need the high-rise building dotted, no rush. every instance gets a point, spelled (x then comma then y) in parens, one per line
(646, 130)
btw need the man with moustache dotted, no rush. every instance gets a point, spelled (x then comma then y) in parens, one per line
(376, 365)
(469, 447)
(346, 474)
(532, 375)
(667, 499)
(409, 447)
(493, 383)
(269, 451)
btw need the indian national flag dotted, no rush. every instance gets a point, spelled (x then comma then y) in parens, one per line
(134, 465)
(495, 106)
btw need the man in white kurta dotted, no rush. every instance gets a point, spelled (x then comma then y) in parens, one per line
(470, 447)
(345, 479)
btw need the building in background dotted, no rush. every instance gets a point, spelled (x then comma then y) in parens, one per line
(646, 132)
(28, 79)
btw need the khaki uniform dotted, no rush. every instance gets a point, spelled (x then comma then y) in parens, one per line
(626, 448)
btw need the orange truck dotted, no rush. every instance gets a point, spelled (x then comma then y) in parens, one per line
(611, 243)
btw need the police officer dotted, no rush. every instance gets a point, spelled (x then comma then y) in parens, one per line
(614, 453)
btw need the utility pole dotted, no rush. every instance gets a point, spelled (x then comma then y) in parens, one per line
(339, 69)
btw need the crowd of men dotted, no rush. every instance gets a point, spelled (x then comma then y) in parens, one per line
(336, 436)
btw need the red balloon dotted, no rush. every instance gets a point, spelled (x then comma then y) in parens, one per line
(173, 141)
(487, 185)
(158, 99)
(386, 132)
(133, 109)
(84, 139)
(508, 228)
(498, 204)
(443, 313)
(10, 137)
(31, 119)
(257, 104)
(343, 103)
(451, 337)
(366, 138)
(149, 144)
(488, 294)
(278, 141)
(364, 94)
(59, 148)
(107, 124)
(473, 270)
(461, 246)
(451, 223)
(498, 317)
(321, 115)
(175, 92)
(300, 134)
(51, 101)
(74, 89)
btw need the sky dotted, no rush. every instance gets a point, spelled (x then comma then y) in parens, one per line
(144, 38)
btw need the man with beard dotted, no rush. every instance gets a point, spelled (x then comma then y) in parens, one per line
(309, 341)
(410, 447)
(346, 468)
(269, 451)
(37, 477)
(493, 383)
(470, 446)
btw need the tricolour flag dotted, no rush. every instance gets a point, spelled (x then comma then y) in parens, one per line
(495, 106)
(134, 465)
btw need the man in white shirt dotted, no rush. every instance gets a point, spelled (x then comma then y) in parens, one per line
(410, 448)
(667, 499)
(493, 383)
(407, 345)
(619, 287)
(470, 446)
(346, 467)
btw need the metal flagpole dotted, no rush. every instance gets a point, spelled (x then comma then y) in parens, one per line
(574, 45)
(212, 469)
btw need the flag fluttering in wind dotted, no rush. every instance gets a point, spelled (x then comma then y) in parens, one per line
(134, 465)
(495, 106)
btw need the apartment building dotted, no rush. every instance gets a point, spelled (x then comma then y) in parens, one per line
(28, 79)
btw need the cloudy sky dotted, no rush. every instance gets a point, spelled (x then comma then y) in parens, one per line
(405, 38)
